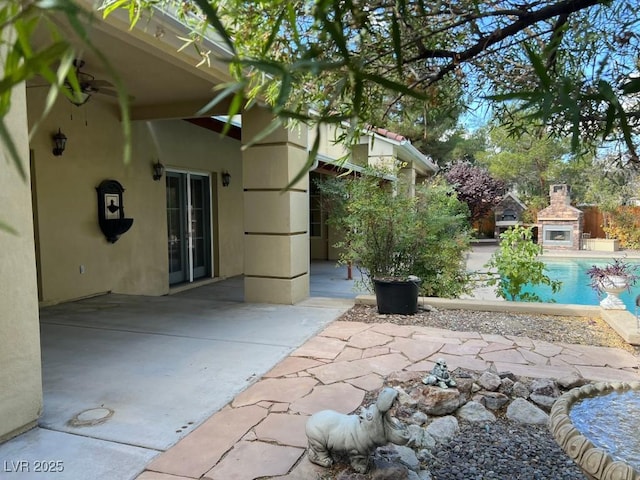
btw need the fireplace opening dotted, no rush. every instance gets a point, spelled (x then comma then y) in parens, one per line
(557, 235)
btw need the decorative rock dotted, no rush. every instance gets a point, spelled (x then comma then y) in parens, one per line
(545, 386)
(408, 458)
(346, 475)
(425, 475)
(492, 400)
(443, 429)
(506, 386)
(522, 411)
(465, 384)
(572, 380)
(475, 412)
(388, 470)
(419, 418)
(425, 455)
(403, 376)
(404, 398)
(543, 401)
(520, 390)
(489, 381)
(437, 401)
(475, 388)
(510, 375)
(420, 438)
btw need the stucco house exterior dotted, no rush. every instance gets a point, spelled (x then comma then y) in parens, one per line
(188, 225)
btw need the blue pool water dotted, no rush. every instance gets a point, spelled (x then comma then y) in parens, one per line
(575, 283)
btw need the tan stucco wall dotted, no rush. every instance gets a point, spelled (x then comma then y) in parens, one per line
(20, 374)
(69, 235)
(276, 213)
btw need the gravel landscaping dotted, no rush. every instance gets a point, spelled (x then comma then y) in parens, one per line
(481, 450)
(551, 328)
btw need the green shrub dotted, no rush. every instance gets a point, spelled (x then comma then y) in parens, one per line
(517, 265)
(391, 235)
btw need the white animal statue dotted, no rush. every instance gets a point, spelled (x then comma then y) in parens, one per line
(356, 435)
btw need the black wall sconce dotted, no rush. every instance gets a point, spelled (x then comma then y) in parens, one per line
(59, 143)
(226, 178)
(158, 170)
(110, 210)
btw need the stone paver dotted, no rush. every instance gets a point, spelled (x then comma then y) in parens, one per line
(261, 433)
(393, 330)
(159, 476)
(275, 390)
(200, 450)
(292, 365)
(283, 429)
(369, 339)
(607, 374)
(338, 371)
(415, 350)
(466, 348)
(320, 347)
(545, 348)
(251, 460)
(533, 357)
(384, 364)
(508, 356)
(345, 330)
(342, 397)
(369, 382)
(497, 347)
(349, 353)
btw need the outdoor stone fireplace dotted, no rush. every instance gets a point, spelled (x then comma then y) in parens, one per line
(560, 225)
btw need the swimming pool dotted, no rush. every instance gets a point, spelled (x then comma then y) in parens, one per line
(575, 283)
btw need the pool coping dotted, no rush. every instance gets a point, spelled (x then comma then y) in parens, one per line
(622, 321)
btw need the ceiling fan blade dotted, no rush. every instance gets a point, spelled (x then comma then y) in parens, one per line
(105, 91)
(112, 93)
(98, 83)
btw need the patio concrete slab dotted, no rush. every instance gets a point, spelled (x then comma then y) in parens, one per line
(156, 368)
(69, 457)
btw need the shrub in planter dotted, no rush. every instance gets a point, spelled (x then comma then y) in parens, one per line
(391, 236)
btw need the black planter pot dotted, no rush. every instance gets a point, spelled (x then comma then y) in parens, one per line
(396, 296)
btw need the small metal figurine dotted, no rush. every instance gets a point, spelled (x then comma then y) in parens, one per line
(440, 375)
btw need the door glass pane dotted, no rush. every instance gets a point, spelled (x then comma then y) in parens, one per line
(175, 233)
(200, 225)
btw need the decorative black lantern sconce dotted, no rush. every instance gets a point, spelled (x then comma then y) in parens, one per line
(158, 170)
(59, 143)
(226, 178)
(110, 210)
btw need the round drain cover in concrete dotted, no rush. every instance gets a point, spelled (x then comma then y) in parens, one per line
(92, 416)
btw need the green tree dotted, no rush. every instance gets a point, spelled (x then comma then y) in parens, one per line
(526, 164)
(517, 266)
(568, 65)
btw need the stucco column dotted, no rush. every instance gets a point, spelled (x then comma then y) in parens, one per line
(276, 217)
(20, 374)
